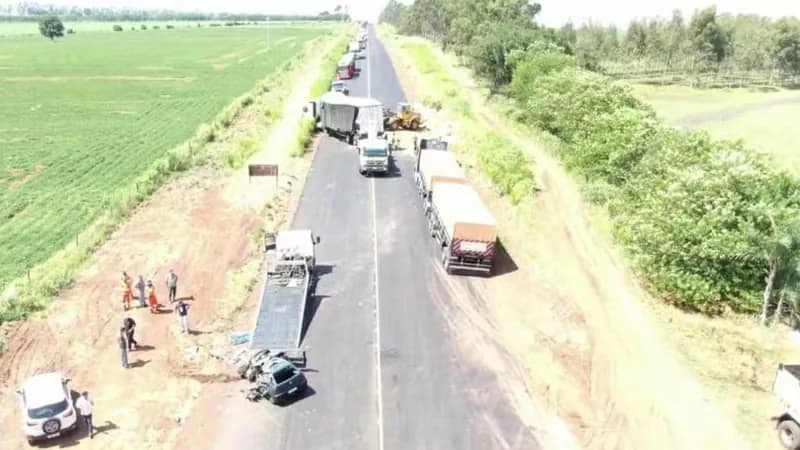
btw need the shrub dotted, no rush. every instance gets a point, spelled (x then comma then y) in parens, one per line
(143, 26)
(156, 27)
(70, 31)
(117, 28)
(505, 165)
(170, 27)
(562, 102)
(610, 145)
(534, 66)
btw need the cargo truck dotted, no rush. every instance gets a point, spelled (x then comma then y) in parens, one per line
(435, 166)
(348, 117)
(373, 156)
(462, 226)
(787, 389)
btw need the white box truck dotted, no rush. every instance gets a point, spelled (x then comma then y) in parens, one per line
(373, 156)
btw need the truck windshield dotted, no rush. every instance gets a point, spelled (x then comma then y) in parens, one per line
(375, 152)
(47, 411)
(283, 374)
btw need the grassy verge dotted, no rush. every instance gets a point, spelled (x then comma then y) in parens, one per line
(209, 145)
(497, 157)
(320, 86)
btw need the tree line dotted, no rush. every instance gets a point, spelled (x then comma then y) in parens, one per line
(711, 225)
(33, 12)
(707, 42)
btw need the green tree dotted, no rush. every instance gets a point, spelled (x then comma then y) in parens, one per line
(636, 39)
(51, 27)
(787, 45)
(708, 39)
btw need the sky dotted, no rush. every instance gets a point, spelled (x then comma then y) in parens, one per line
(554, 12)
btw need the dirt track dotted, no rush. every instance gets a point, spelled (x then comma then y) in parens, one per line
(572, 315)
(202, 225)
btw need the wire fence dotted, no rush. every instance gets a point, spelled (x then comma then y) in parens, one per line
(688, 73)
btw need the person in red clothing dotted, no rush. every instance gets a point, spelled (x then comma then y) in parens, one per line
(127, 291)
(151, 297)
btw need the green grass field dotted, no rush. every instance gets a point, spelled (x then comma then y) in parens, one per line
(766, 121)
(84, 116)
(32, 28)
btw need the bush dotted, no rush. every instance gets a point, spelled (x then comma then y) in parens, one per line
(170, 27)
(70, 31)
(117, 28)
(143, 26)
(610, 145)
(562, 102)
(156, 27)
(505, 165)
(534, 66)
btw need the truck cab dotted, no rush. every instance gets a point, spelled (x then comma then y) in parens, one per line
(787, 391)
(297, 245)
(339, 86)
(373, 156)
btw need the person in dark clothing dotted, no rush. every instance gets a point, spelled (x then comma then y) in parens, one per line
(182, 310)
(129, 325)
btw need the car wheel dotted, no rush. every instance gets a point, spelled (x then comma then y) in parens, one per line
(789, 434)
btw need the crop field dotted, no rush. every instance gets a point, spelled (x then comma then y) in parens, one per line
(766, 121)
(32, 28)
(85, 115)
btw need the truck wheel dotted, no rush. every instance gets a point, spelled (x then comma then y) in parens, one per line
(446, 259)
(789, 434)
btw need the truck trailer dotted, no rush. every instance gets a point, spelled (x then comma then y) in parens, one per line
(462, 226)
(348, 117)
(435, 166)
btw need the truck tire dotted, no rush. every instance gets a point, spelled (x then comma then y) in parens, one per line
(789, 434)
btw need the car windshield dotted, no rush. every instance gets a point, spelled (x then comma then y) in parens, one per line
(283, 374)
(44, 412)
(375, 152)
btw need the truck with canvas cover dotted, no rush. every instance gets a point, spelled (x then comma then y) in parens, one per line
(289, 280)
(337, 115)
(373, 156)
(435, 166)
(787, 390)
(463, 227)
(346, 67)
(369, 117)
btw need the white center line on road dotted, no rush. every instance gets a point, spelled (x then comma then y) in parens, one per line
(378, 364)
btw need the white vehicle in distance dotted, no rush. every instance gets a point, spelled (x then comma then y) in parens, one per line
(47, 409)
(373, 156)
(339, 86)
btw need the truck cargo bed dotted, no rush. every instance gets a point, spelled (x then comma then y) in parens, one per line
(281, 311)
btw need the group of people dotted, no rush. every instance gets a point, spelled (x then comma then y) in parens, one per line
(126, 340)
(150, 299)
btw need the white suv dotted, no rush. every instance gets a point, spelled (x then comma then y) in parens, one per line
(47, 409)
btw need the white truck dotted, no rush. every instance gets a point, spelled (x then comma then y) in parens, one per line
(787, 389)
(462, 226)
(289, 282)
(434, 166)
(373, 156)
(348, 117)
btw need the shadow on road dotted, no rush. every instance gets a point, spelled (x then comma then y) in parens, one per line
(314, 302)
(503, 262)
(139, 363)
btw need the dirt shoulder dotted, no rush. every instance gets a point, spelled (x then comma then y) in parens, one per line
(204, 225)
(567, 308)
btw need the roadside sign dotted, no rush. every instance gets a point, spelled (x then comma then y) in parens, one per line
(263, 170)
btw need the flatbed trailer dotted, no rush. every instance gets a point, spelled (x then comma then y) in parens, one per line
(436, 166)
(282, 307)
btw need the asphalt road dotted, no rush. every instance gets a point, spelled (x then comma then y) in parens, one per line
(386, 373)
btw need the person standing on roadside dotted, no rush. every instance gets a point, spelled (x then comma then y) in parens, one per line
(140, 287)
(84, 406)
(172, 285)
(123, 347)
(183, 315)
(152, 300)
(129, 325)
(127, 292)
